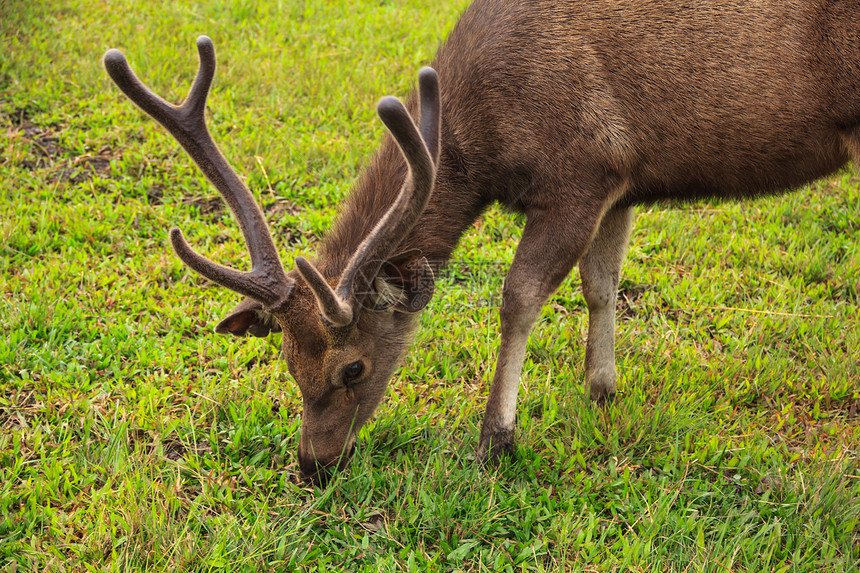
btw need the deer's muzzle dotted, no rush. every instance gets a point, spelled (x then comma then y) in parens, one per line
(318, 469)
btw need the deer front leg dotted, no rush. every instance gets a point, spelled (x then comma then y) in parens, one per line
(551, 244)
(600, 269)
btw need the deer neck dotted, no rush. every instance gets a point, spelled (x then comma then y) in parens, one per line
(453, 207)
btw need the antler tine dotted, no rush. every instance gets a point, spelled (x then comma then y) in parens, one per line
(333, 308)
(266, 282)
(421, 150)
(428, 90)
(421, 153)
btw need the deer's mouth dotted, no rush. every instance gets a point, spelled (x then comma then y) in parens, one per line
(319, 471)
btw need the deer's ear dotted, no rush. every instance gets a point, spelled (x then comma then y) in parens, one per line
(405, 283)
(248, 318)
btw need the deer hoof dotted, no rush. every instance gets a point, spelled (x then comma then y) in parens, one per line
(495, 444)
(603, 400)
(601, 386)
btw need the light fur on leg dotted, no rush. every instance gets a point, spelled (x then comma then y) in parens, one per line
(600, 270)
(549, 248)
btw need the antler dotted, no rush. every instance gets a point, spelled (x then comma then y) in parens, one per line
(267, 281)
(421, 150)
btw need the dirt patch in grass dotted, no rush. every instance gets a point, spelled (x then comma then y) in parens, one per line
(630, 299)
(210, 208)
(47, 153)
(15, 117)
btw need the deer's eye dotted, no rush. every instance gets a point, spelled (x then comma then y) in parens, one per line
(352, 372)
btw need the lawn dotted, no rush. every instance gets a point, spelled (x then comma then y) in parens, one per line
(135, 438)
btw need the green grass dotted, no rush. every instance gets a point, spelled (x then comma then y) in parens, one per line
(134, 438)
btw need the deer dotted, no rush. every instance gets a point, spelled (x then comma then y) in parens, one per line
(571, 113)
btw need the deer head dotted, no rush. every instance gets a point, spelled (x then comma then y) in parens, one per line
(344, 330)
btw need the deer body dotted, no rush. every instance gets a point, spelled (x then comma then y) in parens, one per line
(571, 113)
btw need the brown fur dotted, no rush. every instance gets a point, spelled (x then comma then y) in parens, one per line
(586, 105)
(571, 112)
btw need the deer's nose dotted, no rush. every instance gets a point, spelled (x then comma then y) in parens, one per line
(319, 469)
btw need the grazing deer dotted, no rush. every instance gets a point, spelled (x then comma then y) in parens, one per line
(569, 112)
